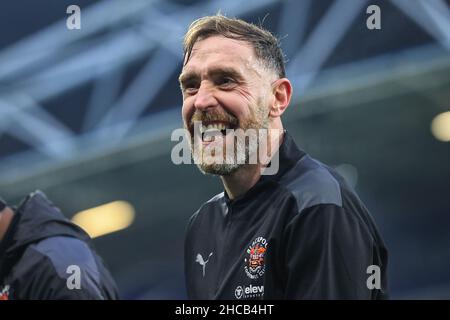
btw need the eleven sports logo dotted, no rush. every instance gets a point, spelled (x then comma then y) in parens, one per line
(254, 268)
(243, 292)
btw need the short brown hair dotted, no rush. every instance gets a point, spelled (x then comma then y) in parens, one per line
(266, 45)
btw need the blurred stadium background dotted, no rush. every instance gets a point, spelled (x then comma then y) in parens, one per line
(86, 116)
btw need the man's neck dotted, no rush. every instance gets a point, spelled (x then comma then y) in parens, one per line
(240, 181)
(5, 220)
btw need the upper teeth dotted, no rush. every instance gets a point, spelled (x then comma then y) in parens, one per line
(213, 126)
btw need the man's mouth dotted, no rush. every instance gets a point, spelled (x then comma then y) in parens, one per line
(211, 129)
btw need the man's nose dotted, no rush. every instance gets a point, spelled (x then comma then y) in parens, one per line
(204, 99)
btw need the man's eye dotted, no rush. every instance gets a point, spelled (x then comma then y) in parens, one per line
(190, 88)
(226, 82)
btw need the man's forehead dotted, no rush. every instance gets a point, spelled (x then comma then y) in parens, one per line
(217, 44)
(224, 51)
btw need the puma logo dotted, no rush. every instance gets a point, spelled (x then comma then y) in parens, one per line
(202, 262)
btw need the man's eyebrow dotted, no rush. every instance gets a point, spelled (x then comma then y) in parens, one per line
(186, 77)
(225, 71)
(213, 72)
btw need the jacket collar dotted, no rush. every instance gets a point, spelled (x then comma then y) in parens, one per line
(288, 155)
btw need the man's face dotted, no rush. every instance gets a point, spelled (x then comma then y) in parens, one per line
(225, 87)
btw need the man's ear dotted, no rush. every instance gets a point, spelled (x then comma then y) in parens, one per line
(282, 93)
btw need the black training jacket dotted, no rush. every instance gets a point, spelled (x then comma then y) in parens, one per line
(45, 256)
(302, 233)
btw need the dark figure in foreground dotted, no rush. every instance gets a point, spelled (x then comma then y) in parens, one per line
(45, 256)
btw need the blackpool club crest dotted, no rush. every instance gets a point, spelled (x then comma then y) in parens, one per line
(4, 292)
(255, 255)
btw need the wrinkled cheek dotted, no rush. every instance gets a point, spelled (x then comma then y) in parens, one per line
(186, 113)
(238, 108)
(246, 95)
(252, 104)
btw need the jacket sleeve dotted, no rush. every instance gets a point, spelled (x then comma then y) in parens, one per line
(327, 252)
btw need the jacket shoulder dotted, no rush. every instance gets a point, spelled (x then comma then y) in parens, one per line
(218, 200)
(58, 258)
(312, 183)
(65, 251)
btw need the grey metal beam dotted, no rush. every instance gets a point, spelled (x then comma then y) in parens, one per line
(323, 40)
(105, 91)
(292, 24)
(43, 45)
(37, 128)
(432, 16)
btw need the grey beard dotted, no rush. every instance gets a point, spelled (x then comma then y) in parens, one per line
(228, 167)
(249, 149)
(224, 169)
